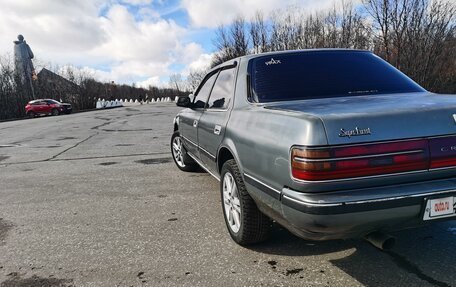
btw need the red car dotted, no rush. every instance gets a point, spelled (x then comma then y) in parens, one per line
(46, 107)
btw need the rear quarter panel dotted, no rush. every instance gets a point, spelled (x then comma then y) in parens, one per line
(263, 139)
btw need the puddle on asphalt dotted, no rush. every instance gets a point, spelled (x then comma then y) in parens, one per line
(15, 280)
(108, 163)
(3, 157)
(154, 160)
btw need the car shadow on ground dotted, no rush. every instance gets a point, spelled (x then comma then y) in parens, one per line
(282, 242)
(421, 257)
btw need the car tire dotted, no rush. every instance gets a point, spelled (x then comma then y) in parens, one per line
(55, 112)
(31, 114)
(183, 161)
(245, 222)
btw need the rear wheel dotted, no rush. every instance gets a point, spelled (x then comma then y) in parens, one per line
(183, 161)
(245, 222)
(55, 112)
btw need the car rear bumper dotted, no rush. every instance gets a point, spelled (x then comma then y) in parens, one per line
(355, 213)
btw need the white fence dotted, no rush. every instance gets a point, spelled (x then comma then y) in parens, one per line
(102, 104)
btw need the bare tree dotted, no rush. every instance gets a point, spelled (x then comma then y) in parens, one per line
(194, 79)
(259, 34)
(175, 80)
(380, 12)
(417, 36)
(231, 43)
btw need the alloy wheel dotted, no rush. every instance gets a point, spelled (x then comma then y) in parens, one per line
(178, 151)
(231, 202)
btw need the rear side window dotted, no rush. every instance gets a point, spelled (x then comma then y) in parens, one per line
(222, 93)
(323, 74)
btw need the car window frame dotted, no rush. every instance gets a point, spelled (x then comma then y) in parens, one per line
(225, 68)
(228, 65)
(203, 82)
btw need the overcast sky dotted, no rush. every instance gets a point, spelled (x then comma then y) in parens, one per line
(127, 41)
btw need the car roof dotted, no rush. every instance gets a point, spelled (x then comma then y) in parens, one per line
(304, 51)
(40, 100)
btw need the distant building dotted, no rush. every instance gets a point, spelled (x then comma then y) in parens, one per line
(50, 85)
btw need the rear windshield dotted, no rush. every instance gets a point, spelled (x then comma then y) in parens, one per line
(323, 74)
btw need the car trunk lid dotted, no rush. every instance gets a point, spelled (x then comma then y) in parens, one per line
(374, 118)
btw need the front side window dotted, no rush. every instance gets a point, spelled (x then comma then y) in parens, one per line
(203, 93)
(324, 74)
(222, 93)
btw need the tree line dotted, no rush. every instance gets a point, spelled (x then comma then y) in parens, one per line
(68, 84)
(416, 36)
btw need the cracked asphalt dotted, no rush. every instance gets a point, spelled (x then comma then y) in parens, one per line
(94, 199)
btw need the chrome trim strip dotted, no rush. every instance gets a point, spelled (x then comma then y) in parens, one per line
(262, 183)
(302, 159)
(369, 200)
(311, 203)
(442, 168)
(359, 144)
(373, 176)
(185, 138)
(206, 152)
(444, 136)
(358, 178)
(203, 166)
(400, 197)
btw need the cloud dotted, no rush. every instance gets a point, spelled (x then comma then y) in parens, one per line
(137, 2)
(103, 37)
(209, 13)
(127, 41)
(202, 63)
(152, 81)
(51, 25)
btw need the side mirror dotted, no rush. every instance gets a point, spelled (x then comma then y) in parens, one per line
(183, 102)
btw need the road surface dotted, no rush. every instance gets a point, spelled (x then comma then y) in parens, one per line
(94, 199)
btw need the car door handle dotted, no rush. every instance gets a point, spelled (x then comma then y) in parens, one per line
(195, 123)
(217, 129)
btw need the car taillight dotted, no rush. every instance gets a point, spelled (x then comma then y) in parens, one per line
(443, 152)
(314, 164)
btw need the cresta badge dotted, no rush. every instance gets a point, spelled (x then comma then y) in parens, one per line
(448, 148)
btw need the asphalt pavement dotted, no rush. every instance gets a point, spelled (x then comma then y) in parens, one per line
(94, 199)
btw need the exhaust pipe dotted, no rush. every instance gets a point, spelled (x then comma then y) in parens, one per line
(381, 240)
